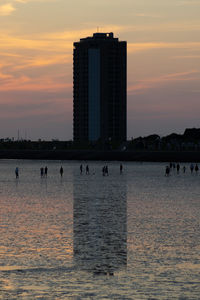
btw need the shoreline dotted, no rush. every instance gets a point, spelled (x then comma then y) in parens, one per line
(148, 156)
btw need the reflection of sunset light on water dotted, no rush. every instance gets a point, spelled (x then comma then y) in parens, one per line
(7, 284)
(128, 235)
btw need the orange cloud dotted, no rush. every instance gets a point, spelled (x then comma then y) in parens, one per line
(6, 9)
(39, 43)
(75, 35)
(188, 3)
(186, 57)
(138, 47)
(150, 83)
(50, 51)
(20, 56)
(42, 61)
(25, 83)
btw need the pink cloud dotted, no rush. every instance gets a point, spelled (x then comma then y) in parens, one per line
(153, 83)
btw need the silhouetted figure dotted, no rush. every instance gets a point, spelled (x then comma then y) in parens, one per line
(174, 166)
(81, 169)
(184, 169)
(41, 172)
(61, 171)
(87, 170)
(121, 168)
(167, 171)
(196, 168)
(103, 171)
(106, 170)
(191, 168)
(45, 171)
(170, 165)
(178, 168)
(17, 172)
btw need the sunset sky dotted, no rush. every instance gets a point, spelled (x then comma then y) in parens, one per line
(36, 45)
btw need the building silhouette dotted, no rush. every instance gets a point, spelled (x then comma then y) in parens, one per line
(100, 94)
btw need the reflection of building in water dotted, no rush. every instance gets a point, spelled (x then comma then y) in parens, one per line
(100, 224)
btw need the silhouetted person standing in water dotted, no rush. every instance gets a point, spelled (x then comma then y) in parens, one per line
(106, 170)
(45, 171)
(184, 169)
(41, 172)
(103, 171)
(81, 169)
(121, 168)
(17, 172)
(178, 168)
(191, 168)
(87, 170)
(196, 168)
(167, 171)
(61, 171)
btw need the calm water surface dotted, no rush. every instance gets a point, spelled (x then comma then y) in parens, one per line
(129, 236)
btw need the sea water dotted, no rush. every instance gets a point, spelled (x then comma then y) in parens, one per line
(134, 235)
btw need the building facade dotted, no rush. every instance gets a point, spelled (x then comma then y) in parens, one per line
(100, 93)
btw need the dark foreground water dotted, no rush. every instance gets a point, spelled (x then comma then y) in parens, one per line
(129, 236)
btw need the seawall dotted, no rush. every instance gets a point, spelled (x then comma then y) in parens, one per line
(151, 156)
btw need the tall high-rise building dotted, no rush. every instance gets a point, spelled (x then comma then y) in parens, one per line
(100, 94)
